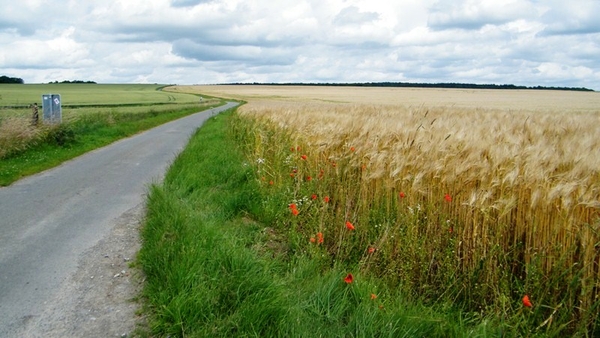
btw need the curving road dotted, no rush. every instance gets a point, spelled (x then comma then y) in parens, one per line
(49, 220)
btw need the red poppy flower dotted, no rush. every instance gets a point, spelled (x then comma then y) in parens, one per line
(304, 157)
(371, 250)
(298, 148)
(526, 301)
(352, 149)
(402, 194)
(292, 175)
(349, 278)
(333, 164)
(373, 296)
(293, 206)
(448, 198)
(312, 240)
(349, 225)
(295, 212)
(320, 237)
(313, 197)
(308, 178)
(271, 183)
(326, 199)
(292, 149)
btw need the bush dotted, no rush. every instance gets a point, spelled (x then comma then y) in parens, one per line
(61, 135)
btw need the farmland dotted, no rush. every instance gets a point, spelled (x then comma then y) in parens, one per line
(93, 116)
(488, 200)
(90, 94)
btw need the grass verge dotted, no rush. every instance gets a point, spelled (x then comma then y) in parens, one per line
(86, 133)
(215, 267)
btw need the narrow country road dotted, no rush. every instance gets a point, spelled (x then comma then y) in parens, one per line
(48, 221)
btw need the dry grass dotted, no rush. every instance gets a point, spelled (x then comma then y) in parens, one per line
(530, 100)
(522, 170)
(17, 134)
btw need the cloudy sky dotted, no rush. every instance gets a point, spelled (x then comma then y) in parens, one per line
(523, 42)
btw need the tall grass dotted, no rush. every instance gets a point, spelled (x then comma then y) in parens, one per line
(218, 265)
(474, 206)
(27, 149)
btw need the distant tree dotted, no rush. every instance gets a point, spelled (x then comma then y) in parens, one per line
(6, 79)
(421, 85)
(73, 81)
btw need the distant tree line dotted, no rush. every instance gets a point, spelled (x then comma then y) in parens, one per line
(6, 79)
(421, 85)
(74, 81)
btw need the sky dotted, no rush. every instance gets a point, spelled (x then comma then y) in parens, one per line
(521, 42)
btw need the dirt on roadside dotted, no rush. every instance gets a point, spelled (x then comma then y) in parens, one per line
(100, 298)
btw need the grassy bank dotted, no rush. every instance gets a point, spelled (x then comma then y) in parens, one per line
(28, 150)
(225, 255)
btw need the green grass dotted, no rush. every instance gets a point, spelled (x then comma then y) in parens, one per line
(84, 132)
(217, 266)
(91, 94)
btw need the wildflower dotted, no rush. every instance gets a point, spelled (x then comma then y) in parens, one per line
(526, 301)
(349, 225)
(271, 183)
(295, 212)
(292, 175)
(371, 250)
(333, 164)
(320, 237)
(308, 178)
(352, 149)
(298, 148)
(373, 296)
(293, 206)
(349, 278)
(292, 149)
(448, 198)
(312, 240)
(402, 194)
(260, 161)
(313, 197)
(326, 199)
(304, 157)
(321, 173)
(450, 230)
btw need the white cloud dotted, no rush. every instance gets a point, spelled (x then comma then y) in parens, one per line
(525, 42)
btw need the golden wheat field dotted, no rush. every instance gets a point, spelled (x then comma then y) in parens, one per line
(522, 167)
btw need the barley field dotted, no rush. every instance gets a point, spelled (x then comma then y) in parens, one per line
(479, 195)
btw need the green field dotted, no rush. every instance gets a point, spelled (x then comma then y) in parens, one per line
(91, 94)
(92, 116)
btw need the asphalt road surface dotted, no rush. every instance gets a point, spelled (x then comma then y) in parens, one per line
(48, 221)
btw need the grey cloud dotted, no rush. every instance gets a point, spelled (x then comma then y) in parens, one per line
(573, 27)
(572, 18)
(353, 16)
(189, 3)
(23, 28)
(460, 15)
(250, 55)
